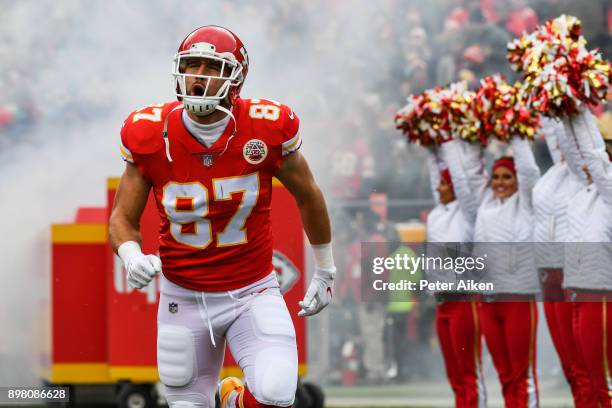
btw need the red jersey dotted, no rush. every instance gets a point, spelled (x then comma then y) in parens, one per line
(214, 203)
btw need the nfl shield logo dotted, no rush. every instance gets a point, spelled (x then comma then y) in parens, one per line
(207, 160)
(172, 307)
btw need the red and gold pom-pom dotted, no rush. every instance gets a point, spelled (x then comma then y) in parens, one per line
(433, 117)
(560, 74)
(501, 111)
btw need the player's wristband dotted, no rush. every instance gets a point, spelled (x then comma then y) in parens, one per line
(128, 250)
(323, 256)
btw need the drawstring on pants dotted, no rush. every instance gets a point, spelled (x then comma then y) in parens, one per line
(210, 330)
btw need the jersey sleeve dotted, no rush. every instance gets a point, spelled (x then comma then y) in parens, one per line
(141, 134)
(291, 138)
(125, 152)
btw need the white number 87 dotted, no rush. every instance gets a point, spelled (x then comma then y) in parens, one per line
(187, 203)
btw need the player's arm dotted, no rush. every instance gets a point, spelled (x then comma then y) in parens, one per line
(296, 176)
(130, 200)
(124, 227)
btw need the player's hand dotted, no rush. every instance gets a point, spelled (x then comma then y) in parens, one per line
(140, 268)
(319, 292)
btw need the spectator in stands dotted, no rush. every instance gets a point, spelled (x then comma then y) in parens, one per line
(448, 50)
(484, 46)
(521, 18)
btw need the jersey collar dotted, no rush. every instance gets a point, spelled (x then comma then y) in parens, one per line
(177, 129)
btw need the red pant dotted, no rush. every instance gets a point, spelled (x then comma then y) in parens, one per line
(593, 329)
(460, 340)
(560, 324)
(509, 329)
(559, 316)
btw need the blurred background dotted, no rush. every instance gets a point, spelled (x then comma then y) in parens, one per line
(71, 71)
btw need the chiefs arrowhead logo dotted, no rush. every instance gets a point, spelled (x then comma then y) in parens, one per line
(286, 272)
(255, 151)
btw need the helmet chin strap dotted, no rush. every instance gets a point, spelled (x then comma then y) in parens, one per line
(165, 132)
(228, 112)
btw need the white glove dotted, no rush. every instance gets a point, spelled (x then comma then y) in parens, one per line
(140, 268)
(319, 292)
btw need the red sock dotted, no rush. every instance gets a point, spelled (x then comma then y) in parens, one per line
(247, 400)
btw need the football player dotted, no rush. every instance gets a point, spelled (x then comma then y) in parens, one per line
(210, 158)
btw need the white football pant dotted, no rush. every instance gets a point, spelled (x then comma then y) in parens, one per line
(194, 326)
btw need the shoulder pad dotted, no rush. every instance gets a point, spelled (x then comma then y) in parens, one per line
(275, 116)
(142, 130)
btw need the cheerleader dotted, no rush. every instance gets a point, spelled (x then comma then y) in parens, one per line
(588, 273)
(551, 196)
(456, 184)
(509, 316)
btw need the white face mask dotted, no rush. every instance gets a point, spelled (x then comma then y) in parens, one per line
(230, 73)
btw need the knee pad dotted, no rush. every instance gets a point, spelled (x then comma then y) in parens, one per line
(176, 360)
(275, 377)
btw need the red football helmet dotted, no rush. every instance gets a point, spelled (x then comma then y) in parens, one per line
(218, 44)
